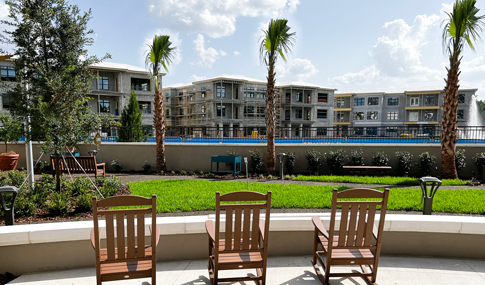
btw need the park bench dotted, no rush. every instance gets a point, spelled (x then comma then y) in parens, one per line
(88, 163)
(376, 170)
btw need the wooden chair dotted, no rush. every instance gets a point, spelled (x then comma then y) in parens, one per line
(135, 259)
(358, 241)
(245, 241)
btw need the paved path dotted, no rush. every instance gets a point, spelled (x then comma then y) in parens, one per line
(291, 271)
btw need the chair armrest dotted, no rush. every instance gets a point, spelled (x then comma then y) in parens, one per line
(319, 226)
(209, 227)
(261, 228)
(157, 232)
(101, 164)
(93, 241)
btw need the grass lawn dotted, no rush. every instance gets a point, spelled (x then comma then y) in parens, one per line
(386, 180)
(199, 195)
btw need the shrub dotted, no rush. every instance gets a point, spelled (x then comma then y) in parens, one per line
(356, 157)
(270, 177)
(147, 167)
(59, 204)
(201, 172)
(84, 202)
(172, 172)
(287, 177)
(42, 166)
(12, 178)
(404, 162)
(460, 159)
(426, 163)
(314, 159)
(183, 172)
(25, 205)
(290, 162)
(257, 162)
(380, 159)
(479, 160)
(109, 186)
(117, 166)
(81, 185)
(335, 161)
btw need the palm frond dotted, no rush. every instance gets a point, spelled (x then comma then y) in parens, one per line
(160, 54)
(277, 40)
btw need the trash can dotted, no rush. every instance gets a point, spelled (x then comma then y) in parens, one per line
(435, 183)
(9, 221)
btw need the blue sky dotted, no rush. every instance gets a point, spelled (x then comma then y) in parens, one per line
(346, 45)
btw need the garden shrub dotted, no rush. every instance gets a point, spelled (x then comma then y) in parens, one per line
(257, 162)
(25, 206)
(59, 203)
(356, 157)
(84, 202)
(315, 160)
(42, 166)
(426, 163)
(460, 159)
(380, 159)
(117, 166)
(290, 162)
(404, 162)
(80, 185)
(183, 172)
(479, 160)
(147, 167)
(109, 186)
(335, 161)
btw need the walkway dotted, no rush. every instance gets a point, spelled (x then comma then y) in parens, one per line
(291, 271)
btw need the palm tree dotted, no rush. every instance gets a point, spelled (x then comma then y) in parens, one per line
(462, 28)
(159, 54)
(277, 40)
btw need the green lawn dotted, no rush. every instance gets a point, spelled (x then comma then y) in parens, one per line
(198, 195)
(385, 180)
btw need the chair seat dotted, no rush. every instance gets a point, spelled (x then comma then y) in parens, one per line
(362, 254)
(103, 253)
(126, 267)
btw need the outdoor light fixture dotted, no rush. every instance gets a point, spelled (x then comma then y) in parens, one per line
(281, 157)
(247, 177)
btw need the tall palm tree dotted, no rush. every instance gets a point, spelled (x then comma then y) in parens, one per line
(277, 41)
(462, 28)
(159, 54)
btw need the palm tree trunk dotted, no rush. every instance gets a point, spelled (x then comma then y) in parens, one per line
(270, 120)
(159, 122)
(448, 126)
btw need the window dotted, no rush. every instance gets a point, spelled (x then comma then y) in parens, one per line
(392, 116)
(340, 117)
(413, 116)
(145, 107)
(251, 95)
(373, 115)
(371, 131)
(103, 83)
(460, 114)
(308, 98)
(322, 97)
(373, 101)
(104, 106)
(6, 101)
(414, 101)
(359, 101)
(261, 111)
(141, 84)
(321, 114)
(191, 97)
(359, 131)
(358, 116)
(202, 94)
(288, 98)
(340, 102)
(321, 131)
(428, 116)
(299, 97)
(393, 101)
(181, 112)
(298, 114)
(461, 98)
(391, 130)
(429, 100)
(7, 73)
(167, 112)
(221, 91)
(202, 109)
(249, 111)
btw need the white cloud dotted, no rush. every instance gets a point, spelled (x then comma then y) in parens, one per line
(297, 69)
(207, 56)
(237, 53)
(176, 42)
(215, 18)
(193, 78)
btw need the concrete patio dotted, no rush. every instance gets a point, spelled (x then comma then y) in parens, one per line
(290, 270)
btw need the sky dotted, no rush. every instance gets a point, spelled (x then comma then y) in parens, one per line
(346, 45)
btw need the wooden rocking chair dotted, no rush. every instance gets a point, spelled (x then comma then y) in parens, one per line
(245, 241)
(356, 237)
(120, 261)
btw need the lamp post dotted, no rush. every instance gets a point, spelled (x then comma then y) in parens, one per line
(247, 177)
(281, 157)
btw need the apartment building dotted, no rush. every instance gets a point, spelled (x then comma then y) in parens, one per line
(235, 105)
(110, 89)
(417, 109)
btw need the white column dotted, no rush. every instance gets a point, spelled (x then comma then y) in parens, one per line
(301, 130)
(231, 130)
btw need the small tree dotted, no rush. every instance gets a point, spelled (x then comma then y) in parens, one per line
(290, 162)
(10, 131)
(426, 163)
(131, 130)
(404, 162)
(315, 160)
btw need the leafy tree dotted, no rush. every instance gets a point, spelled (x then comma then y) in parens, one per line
(277, 41)
(11, 129)
(160, 54)
(462, 28)
(131, 130)
(52, 65)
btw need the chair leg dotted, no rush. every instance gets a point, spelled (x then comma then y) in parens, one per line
(315, 247)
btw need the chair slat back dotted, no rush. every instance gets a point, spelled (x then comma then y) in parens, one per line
(357, 217)
(242, 220)
(130, 242)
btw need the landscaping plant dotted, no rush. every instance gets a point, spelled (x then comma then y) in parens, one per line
(290, 162)
(147, 167)
(335, 161)
(314, 159)
(11, 130)
(380, 159)
(479, 160)
(117, 166)
(426, 163)
(131, 126)
(404, 162)
(356, 157)
(256, 162)
(460, 159)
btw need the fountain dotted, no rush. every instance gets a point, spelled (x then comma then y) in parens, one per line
(474, 117)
